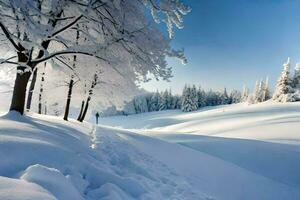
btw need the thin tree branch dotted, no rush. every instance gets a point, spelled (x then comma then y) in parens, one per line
(64, 53)
(67, 26)
(8, 36)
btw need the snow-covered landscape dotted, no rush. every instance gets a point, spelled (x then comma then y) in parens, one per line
(226, 152)
(149, 100)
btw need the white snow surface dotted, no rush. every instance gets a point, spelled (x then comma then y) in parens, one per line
(236, 152)
(44, 157)
(244, 151)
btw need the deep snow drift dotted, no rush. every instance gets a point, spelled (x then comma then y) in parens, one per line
(164, 155)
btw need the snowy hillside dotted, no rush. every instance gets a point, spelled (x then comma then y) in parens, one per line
(165, 155)
(261, 139)
(50, 159)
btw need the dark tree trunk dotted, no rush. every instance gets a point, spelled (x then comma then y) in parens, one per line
(94, 83)
(31, 89)
(67, 109)
(19, 93)
(85, 109)
(81, 110)
(45, 108)
(41, 91)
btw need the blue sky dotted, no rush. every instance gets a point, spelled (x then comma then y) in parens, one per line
(231, 43)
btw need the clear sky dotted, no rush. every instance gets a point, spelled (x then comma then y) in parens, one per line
(231, 43)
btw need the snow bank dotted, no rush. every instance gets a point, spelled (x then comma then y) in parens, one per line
(54, 159)
(14, 189)
(52, 180)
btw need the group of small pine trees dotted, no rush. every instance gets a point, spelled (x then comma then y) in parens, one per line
(260, 93)
(288, 87)
(193, 98)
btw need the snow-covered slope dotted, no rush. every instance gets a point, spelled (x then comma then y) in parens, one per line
(268, 121)
(165, 155)
(262, 139)
(47, 158)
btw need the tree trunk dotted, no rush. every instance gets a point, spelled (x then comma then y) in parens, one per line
(67, 109)
(31, 89)
(45, 108)
(81, 110)
(41, 91)
(85, 109)
(21, 81)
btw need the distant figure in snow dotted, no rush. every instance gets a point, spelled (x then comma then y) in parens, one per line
(97, 117)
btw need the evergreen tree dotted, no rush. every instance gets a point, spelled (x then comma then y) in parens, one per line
(189, 99)
(284, 85)
(235, 97)
(245, 94)
(201, 97)
(163, 104)
(256, 92)
(296, 78)
(176, 102)
(169, 100)
(194, 96)
(260, 93)
(154, 102)
(267, 93)
(224, 98)
(140, 104)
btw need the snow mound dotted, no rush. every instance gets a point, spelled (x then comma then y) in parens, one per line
(14, 189)
(52, 180)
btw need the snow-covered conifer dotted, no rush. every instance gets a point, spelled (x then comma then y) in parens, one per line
(284, 88)
(245, 94)
(163, 103)
(189, 99)
(225, 97)
(235, 97)
(154, 101)
(296, 78)
(140, 104)
(201, 97)
(267, 93)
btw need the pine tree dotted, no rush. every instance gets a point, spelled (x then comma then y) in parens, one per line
(224, 98)
(235, 97)
(154, 102)
(169, 100)
(260, 94)
(176, 102)
(267, 93)
(189, 99)
(201, 97)
(194, 97)
(256, 92)
(163, 104)
(245, 94)
(140, 104)
(284, 84)
(296, 78)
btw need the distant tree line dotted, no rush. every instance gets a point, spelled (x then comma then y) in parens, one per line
(192, 99)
